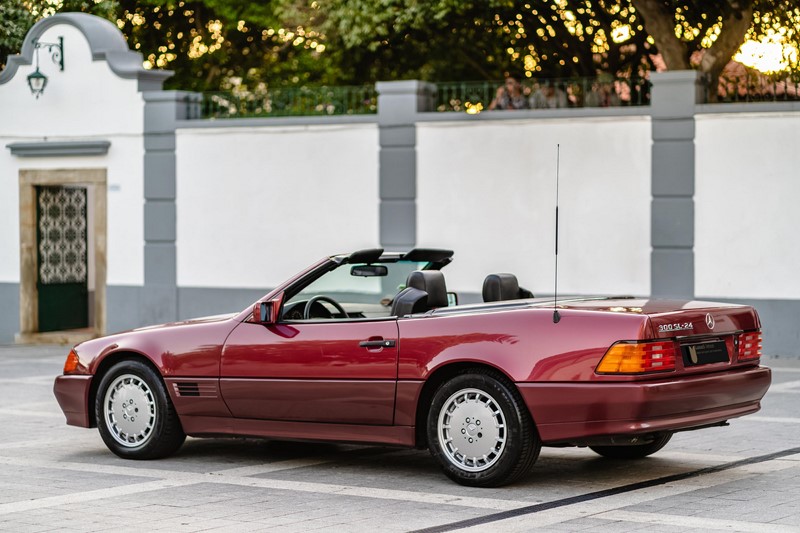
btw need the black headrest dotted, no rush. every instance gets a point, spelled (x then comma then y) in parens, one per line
(410, 301)
(432, 282)
(499, 287)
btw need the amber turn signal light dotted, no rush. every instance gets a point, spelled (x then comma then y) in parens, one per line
(638, 358)
(72, 364)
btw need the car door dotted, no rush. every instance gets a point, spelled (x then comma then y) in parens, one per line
(333, 371)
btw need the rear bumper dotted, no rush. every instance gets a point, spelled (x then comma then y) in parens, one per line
(72, 393)
(569, 412)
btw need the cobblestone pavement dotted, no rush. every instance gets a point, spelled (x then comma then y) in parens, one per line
(745, 477)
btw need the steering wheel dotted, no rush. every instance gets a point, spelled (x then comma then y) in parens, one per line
(320, 298)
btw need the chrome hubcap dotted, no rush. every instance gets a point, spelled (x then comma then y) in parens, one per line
(130, 410)
(472, 430)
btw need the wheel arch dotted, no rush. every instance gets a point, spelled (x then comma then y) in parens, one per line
(104, 366)
(440, 375)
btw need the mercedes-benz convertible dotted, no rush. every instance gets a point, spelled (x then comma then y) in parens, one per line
(370, 347)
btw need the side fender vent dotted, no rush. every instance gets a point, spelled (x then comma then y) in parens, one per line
(190, 388)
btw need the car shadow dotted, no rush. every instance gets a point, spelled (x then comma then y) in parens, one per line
(566, 471)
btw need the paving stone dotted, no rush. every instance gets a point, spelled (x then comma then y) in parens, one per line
(36, 445)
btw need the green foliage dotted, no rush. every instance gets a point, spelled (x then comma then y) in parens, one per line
(449, 40)
(220, 44)
(17, 17)
(396, 39)
(17, 20)
(250, 46)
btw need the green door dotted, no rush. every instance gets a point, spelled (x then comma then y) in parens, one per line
(61, 238)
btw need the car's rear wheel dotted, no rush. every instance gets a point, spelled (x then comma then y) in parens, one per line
(633, 451)
(480, 431)
(134, 414)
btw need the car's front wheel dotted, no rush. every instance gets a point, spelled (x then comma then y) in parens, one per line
(480, 432)
(633, 451)
(134, 414)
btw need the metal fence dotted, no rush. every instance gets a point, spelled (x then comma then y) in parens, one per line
(476, 96)
(291, 101)
(758, 87)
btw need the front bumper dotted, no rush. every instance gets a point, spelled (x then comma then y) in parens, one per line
(72, 393)
(571, 412)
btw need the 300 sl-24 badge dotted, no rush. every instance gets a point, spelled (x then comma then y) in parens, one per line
(681, 326)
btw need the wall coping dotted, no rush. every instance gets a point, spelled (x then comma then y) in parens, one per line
(522, 114)
(334, 120)
(528, 114)
(431, 116)
(747, 107)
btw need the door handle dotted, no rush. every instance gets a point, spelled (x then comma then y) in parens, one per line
(379, 343)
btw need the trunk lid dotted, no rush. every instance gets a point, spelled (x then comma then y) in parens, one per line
(676, 318)
(706, 336)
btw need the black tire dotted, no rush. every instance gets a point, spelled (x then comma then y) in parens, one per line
(134, 414)
(462, 413)
(633, 451)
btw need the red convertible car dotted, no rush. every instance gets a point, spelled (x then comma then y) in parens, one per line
(371, 348)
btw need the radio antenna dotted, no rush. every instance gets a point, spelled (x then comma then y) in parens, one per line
(556, 316)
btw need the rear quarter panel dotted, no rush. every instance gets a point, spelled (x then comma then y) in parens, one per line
(524, 344)
(553, 366)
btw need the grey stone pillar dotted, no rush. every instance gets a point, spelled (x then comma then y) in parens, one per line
(162, 109)
(673, 99)
(398, 104)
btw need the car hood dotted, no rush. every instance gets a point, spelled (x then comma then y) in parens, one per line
(188, 322)
(192, 345)
(112, 337)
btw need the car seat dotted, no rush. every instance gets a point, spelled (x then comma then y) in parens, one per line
(425, 290)
(500, 287)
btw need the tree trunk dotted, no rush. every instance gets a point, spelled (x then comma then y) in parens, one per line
(734, 29)
(660, 25)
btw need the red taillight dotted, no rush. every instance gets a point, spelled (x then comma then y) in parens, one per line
(638, 358)
(749, 345)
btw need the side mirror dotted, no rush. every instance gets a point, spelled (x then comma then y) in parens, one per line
(266, 312)
(452, 299)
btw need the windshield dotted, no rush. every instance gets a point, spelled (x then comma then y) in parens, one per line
(360, 296)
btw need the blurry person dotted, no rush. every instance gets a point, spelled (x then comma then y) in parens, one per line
(549, 97)
(595, 97)
(509, 96)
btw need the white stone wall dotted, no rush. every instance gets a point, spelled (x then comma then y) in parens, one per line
(487, 190)
(257, 204)
(747, 219)
(86, 101)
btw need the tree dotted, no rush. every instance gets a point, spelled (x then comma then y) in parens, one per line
(718, 32)
(210, 44)
(248, 46)
(448, 39)
(221, 44)
(18, 16)
(17, 19)
(452, 40)
(224, 44)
